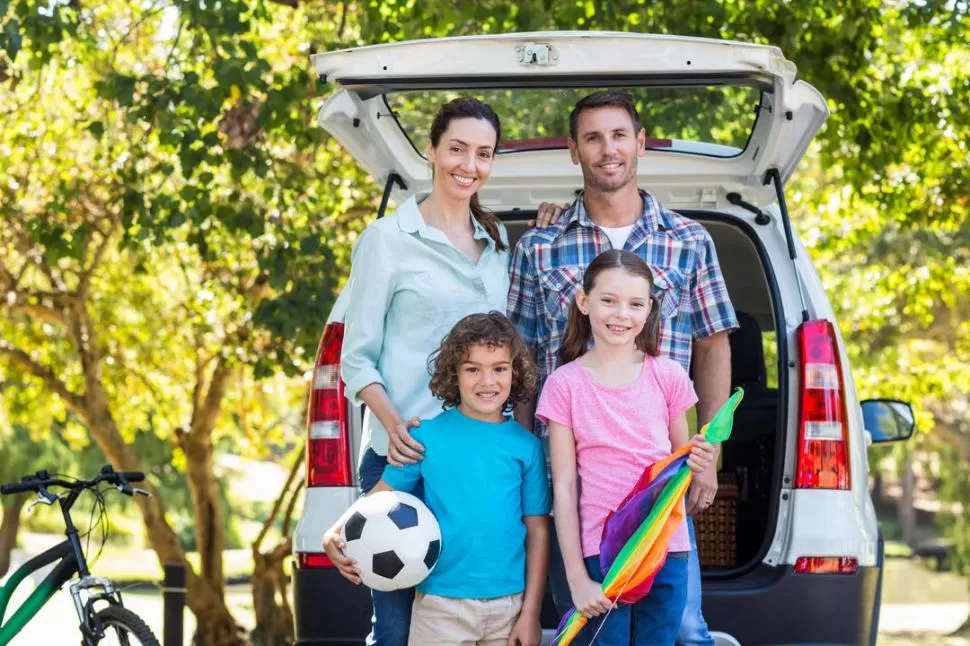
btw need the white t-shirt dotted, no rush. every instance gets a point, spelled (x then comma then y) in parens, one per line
(617, 235)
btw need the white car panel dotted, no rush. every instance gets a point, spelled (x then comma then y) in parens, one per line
(359, 119)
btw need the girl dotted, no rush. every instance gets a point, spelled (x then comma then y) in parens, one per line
(484, 479)
(611, 411)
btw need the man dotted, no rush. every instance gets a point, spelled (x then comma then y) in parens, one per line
(606, 140)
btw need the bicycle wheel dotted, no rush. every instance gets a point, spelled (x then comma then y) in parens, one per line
(122, 627)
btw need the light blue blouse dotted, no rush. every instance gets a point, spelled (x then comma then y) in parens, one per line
(408, 287)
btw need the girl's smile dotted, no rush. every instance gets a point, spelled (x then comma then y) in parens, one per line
(617, 307)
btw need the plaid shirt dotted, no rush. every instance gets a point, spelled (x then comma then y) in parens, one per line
(548, 265)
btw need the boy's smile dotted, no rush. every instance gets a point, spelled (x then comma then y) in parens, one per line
(484, 382)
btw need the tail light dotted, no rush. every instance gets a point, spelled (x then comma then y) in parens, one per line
(328, 419)
(309, 560)
(822, 439)
(826, 565)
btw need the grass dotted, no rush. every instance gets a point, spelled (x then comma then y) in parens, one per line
(908, 581)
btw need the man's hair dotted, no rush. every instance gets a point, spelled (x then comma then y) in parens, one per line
(493, 330)
(606, 98)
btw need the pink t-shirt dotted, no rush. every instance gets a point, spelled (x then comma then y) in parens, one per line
(618, 432)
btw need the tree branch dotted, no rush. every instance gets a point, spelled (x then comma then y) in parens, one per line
(204, 418)
(86, 272)
(41, 313)
(46, 374)
(294, 470)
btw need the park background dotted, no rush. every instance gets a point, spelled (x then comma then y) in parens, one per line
(174, 228)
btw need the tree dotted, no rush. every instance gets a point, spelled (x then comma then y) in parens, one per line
(174, 224)
(169, 212)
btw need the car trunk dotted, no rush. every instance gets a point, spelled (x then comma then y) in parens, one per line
(735, 533)
(726, 124)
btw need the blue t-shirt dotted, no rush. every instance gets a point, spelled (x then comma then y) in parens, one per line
(480, 479)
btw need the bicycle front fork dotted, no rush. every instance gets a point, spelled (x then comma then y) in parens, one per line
(85, 607)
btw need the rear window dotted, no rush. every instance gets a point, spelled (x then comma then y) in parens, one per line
(714, 121)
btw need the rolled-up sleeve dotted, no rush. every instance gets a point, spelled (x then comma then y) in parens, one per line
(370, 287)
(710, 306)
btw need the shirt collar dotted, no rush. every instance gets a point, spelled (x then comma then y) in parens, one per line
(410, 220)
(653, 218)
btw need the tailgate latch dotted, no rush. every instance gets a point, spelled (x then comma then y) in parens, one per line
(537, 55)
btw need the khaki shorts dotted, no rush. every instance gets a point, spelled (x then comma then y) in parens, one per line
(444, 621)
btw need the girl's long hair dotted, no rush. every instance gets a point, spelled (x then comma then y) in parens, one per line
(468, 108)
(579, 333)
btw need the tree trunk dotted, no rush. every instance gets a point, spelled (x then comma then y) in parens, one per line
(905, 510)
(274, 618)
(9, 527)
(215, 624)
(206, 500)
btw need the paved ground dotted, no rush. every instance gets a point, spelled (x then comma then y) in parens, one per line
(900, 624)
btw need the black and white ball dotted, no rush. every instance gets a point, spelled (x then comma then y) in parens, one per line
(394, 538)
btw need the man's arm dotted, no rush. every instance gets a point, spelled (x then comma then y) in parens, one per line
(712, 381)
(523, 312)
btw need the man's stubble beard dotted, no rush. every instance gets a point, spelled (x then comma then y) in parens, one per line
(593, 182)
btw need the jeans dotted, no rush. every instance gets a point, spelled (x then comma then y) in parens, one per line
(391, 621)
(652, 621)
(693, 628)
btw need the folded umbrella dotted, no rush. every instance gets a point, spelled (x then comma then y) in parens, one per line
(633, 547)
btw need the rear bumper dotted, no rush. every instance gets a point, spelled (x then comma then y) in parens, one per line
(768, 606)
(788, 608)
(328, 609)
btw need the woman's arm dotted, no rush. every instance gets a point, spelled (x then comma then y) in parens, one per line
(369, 292)
(588, 597)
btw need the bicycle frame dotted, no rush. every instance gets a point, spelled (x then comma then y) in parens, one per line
(61, 574)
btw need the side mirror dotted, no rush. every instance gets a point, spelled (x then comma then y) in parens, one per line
(888, 420)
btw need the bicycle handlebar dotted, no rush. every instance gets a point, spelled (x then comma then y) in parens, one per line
(41, 480)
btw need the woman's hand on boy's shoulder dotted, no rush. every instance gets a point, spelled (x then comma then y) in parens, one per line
(527, 631)
(334, 545)
(401, 447)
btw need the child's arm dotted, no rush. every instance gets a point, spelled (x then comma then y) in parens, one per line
(588, 597)
(334, 544)
(701, 453)
(527, 630)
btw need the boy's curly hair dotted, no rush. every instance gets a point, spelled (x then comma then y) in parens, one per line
(493, 330)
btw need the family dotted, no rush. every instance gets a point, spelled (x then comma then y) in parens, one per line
(584, 335)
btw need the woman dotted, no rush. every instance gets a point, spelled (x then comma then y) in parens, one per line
(414, 274)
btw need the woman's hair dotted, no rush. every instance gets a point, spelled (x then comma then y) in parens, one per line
(495, 331)
(578, 329)
(468, 108)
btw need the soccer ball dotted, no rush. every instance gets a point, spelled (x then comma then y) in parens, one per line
(394, 538)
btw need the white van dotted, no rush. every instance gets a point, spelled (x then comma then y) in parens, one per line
(798, 549)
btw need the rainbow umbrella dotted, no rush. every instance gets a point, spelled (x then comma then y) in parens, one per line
(633, 548)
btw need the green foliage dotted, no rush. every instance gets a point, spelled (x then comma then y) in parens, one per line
(181, 134)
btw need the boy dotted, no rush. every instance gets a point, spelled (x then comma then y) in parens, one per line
(484, 480)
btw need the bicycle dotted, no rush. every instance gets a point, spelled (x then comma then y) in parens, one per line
(111, 624)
